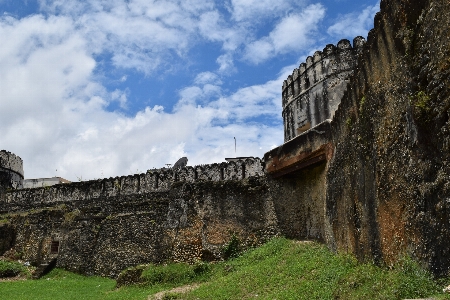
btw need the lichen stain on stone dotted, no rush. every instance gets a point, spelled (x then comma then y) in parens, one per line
(391, 217)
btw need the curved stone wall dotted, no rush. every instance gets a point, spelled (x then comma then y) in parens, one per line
(314, 90)
(11, 170)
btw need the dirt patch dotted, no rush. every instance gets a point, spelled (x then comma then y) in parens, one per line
(178, 290)
(303, 242)
(16, 278)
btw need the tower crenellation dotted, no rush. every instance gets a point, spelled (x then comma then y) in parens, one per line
(11, 170)
(312, 93)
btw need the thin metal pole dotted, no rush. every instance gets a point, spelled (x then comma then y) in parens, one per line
(234, 145)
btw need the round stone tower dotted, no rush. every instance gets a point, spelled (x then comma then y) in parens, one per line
(11, 171)
(314, 90)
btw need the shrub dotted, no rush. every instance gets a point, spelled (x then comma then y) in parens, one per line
(232, 249)
(130, 276)
(12, 269)
(173, 273)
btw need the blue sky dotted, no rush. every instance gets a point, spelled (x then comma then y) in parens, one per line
(99, 88)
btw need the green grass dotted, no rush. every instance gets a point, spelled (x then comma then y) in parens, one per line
(60, 284)
(281, 269)
(175, 274)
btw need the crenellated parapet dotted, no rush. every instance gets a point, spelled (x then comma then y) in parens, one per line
(314, 90)
(157, 180)
(11, 170)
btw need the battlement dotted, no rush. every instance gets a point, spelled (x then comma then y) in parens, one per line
(11, 162)
(157, 180)
(11, 170)
(314, 90)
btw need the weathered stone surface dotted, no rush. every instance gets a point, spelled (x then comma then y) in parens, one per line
(11, 171)
(313, 92)
(388, 182)
(373, 182)
(103, 233)
(312, 147)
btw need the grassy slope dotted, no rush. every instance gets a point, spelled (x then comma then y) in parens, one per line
(281, 269)
(284, 269)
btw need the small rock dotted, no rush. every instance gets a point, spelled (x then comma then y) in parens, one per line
(446, 290)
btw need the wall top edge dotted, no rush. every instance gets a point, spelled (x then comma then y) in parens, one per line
(11, 161)
(329, 50)
(162, 172)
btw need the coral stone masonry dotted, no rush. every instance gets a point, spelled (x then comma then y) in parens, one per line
(313, 92)
(365, 169)
(11, 170)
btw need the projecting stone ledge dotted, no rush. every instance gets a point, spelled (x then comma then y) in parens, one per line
(311, 147)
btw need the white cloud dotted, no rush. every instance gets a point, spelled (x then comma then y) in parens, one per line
(53, 111)
(154, 36)
(214, 28)
(251, 102)
(354, 24)
(259, 9)
(226, 64)
(41, 53)
(139, 34)
(207, 77)
(121, 97)
(292, 33)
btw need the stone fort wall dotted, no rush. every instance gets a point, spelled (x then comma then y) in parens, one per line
(156, 180)
(380, 194)
(104, 226)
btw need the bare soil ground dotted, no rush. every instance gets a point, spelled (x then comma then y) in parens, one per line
(179, 290)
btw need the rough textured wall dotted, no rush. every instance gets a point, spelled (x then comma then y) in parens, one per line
(298, 180)
(299, 202)
(152, 181)
(107, 225)
(105, 234)
(11, 171)
(388, 184)
(383, 192)
(313, 92)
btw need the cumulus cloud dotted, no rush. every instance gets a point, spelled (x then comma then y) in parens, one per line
(243, 10)
(214, 27)
(139, 34)
(292, 33)
(226, 64)
(145, 35)
(354, 24)
(54, 111)
(207, 77)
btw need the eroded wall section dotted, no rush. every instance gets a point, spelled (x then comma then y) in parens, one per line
(388, 184)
